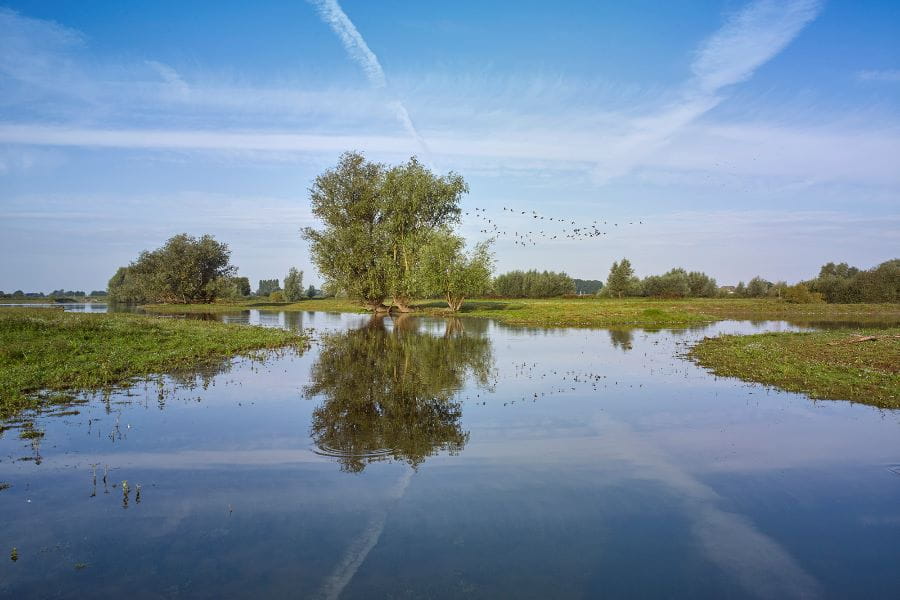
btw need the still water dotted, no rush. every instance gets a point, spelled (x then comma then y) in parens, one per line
(463, 458)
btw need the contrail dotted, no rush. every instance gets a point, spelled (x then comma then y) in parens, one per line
(359, 549)
(333, 15)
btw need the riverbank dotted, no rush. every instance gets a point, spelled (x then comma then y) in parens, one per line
(49, 350)
(591, 312)
(826, 364)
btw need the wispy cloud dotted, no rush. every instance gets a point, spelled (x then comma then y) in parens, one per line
(748, 40)
(171, 77)
(353, 42)
(888, 75)
(332, 13)
(488, 123)
(740, 151)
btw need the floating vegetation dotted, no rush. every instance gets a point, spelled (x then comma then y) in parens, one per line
(65, 413)
(28, 433)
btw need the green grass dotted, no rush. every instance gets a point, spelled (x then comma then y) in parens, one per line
(560, 312)
(48, 350)
(593, 312)
(819, 364)
(327, 305)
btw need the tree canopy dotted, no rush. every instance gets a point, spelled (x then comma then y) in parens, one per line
(242, 285)
(843, 283)
(678, 283)
(293, 285)
(588, 287)
(621, 280)
(185, 269)
(417, 203)
(533, 284)
(445, 269)
(267, 286)
(376, 220)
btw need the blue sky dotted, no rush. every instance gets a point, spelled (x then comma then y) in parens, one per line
(749, 137)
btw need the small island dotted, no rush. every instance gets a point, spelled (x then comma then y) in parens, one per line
(862, 367)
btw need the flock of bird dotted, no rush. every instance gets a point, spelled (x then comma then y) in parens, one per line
(542, 227)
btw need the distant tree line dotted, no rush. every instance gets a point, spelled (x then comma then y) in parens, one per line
(676, 283)
(267, 287)
(836, 283)
(845, 284)
(587, 287)
(799, 293)
(60, 293)
(533, 284)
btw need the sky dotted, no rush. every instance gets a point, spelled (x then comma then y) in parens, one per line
(747, 138)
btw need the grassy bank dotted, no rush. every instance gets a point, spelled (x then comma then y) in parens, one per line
(820, 364)
(594, 312)
(51, 350)
(327, 305)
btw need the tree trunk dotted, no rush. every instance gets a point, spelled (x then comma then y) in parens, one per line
(376, 306)
(454, 304)
(402, 304)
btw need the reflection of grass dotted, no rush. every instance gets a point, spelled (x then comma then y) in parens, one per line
(811, 363)
(51, 350)
(592, 312)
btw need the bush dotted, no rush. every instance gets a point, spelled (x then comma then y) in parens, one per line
(276, 296)
(800, 294)
(533, 284)
(185, 269)
(674, 284)
(845, 284)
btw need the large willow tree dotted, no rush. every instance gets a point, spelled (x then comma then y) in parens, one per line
(417, 203)
(446, 270)
(376, 220)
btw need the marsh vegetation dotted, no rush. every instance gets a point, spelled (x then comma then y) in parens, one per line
(862, 366)
(48, 352)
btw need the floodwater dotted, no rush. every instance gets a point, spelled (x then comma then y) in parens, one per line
(94, 307)
(461, 458)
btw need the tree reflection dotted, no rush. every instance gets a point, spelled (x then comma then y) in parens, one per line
(621, 338)
(392, 395)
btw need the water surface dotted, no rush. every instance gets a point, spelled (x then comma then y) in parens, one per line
(431, 458)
